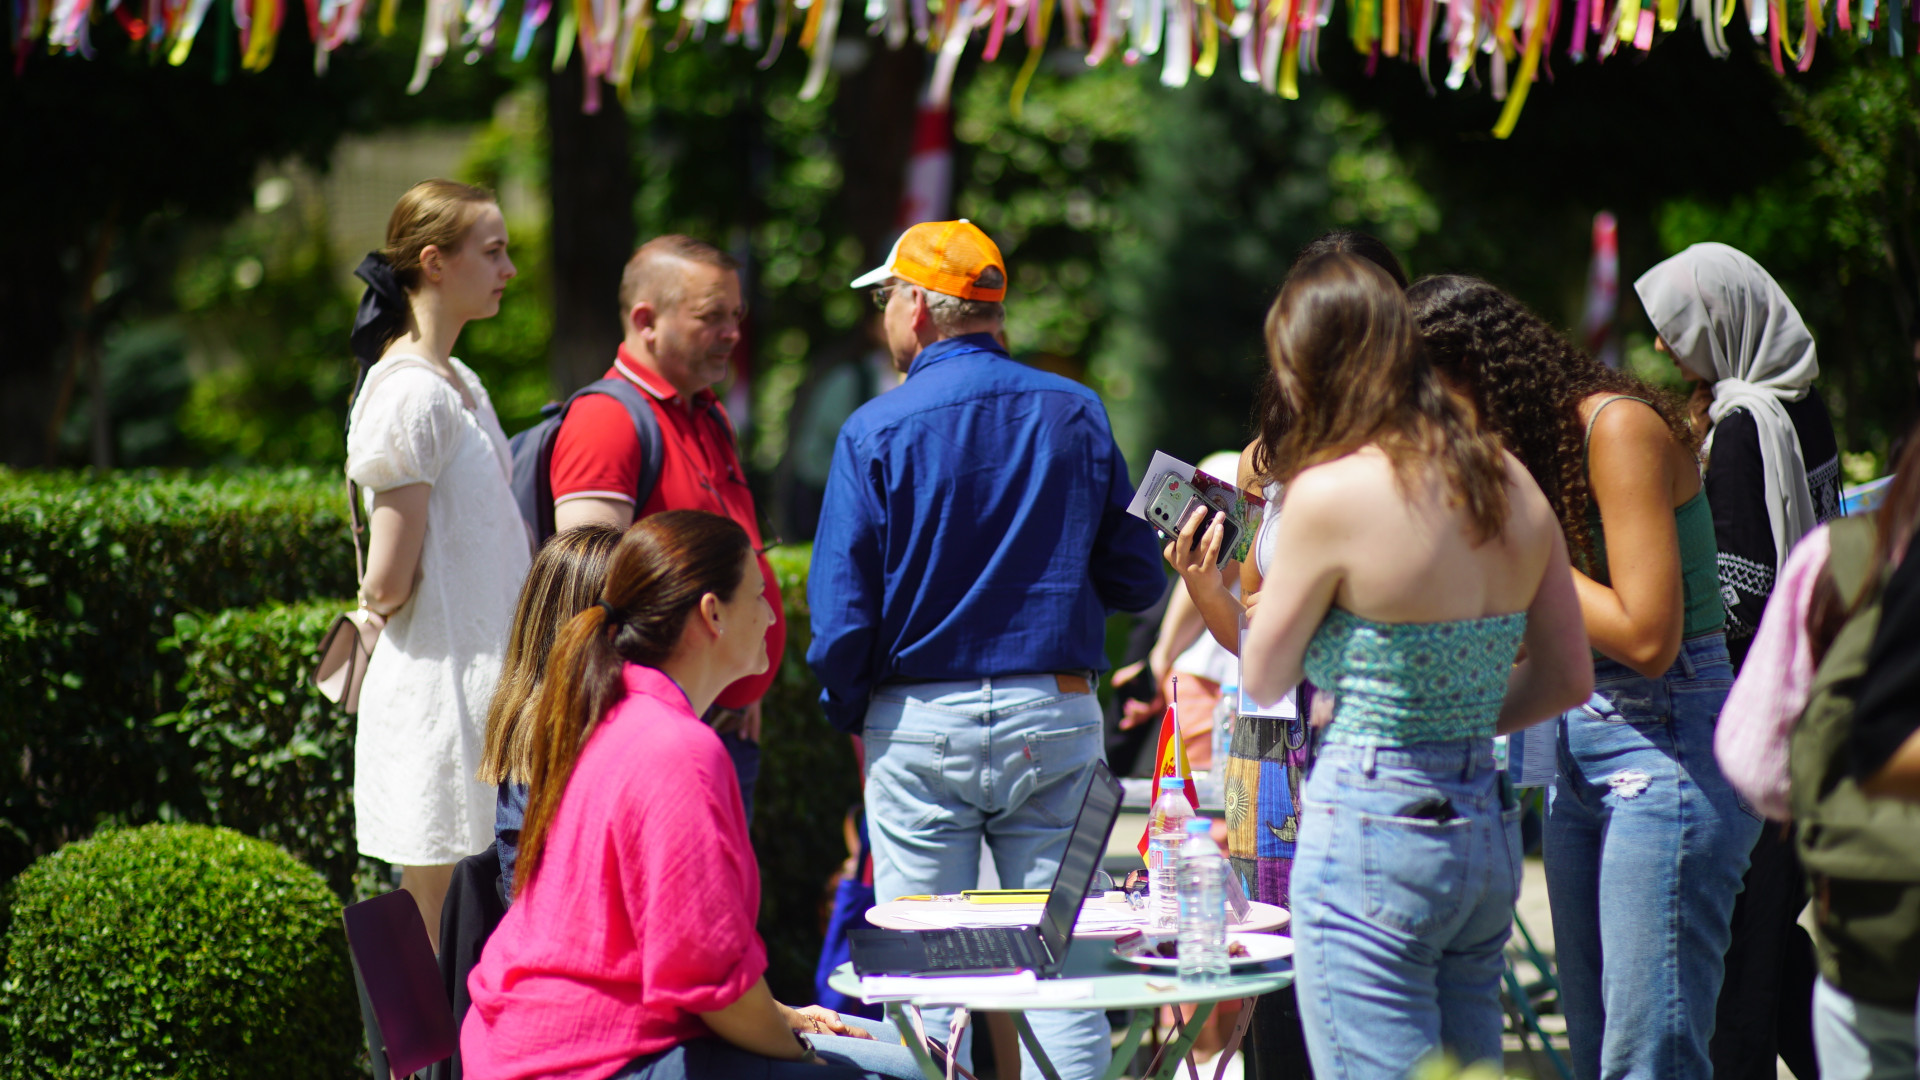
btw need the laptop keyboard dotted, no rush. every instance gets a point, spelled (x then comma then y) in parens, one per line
(976, 949)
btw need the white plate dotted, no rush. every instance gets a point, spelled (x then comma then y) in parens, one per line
(1260, 949)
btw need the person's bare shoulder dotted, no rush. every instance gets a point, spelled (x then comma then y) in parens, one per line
(1339, 494)
(1530, 516)
(1625, 422)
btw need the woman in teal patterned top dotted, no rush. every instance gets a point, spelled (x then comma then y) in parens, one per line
(1413, 559)
(1645, 839)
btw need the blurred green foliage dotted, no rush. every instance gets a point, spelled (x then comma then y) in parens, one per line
(1839, 232)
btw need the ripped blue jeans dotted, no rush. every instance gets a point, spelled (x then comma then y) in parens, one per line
(1646, 843)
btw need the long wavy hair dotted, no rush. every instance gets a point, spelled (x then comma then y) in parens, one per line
(1349, 363)
(1527, 381)
(1271, 416)
(662, 567)
(568, 575)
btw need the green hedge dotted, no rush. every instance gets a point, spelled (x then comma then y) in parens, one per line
(176, 951)
(154, 647)
(92, 574)
(808, 779)
(273, 758)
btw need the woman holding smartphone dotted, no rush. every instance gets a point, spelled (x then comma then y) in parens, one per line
(446, 548)
(1413, 559)
(1645, 839)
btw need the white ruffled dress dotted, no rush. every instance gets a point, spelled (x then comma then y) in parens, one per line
(423, 707)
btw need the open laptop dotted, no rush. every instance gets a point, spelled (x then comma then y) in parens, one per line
(1041, 948)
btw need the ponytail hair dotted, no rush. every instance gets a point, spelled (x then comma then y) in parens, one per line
(568, 575)
(661, 569)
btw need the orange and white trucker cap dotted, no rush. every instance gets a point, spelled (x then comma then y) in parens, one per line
(946, 256)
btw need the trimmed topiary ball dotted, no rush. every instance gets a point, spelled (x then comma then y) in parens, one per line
(176, 951)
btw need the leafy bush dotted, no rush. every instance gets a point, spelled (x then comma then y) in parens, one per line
(273, 758)
(92, 573)
(808, 779)
(176, 950)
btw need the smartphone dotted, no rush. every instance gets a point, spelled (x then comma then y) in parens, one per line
(1175, 500)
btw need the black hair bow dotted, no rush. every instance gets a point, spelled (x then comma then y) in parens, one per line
(383, 309)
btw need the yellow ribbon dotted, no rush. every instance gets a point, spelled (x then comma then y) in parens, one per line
(1032, 63)
(261, 39)
(1209, 41)
(1629, 19)
(1529, 65)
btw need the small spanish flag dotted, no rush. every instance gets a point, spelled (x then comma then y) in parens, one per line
(1170, 760)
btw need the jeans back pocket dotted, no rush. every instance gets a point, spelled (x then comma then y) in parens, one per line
(1417, 871)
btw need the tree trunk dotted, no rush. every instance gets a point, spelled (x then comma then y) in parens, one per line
(590, 178)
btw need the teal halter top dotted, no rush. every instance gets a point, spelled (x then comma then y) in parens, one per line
(1395, 684)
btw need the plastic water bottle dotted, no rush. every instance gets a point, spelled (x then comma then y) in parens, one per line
(1226, 713)
(1203, 906)
(1167, 831)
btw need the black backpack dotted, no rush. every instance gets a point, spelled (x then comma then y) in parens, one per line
(1861, 853)
(532, 452)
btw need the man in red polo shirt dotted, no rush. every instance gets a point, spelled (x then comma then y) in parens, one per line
(681, 305)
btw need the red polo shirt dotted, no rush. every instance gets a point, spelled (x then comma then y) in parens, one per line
(596, 454)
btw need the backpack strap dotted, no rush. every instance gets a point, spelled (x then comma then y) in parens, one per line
(646, 427)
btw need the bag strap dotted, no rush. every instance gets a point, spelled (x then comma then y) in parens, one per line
(356, 522)
(646, 428)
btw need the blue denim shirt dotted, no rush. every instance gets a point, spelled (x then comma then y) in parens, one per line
(974, 525)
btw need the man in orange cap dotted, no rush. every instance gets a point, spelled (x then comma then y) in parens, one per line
(973, 540)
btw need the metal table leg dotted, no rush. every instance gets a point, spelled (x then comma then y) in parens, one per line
(1167, 1064)
(1033, 1047)
(917, 1046)
(1136, 1030)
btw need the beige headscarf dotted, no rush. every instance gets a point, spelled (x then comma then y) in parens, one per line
(1726, 319)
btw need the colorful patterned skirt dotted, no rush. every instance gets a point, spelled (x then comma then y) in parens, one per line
(1267, 766)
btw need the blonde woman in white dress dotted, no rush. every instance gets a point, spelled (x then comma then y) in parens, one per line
(446, 549)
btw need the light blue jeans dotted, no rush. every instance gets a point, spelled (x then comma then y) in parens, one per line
(844, 1058)
(1403, 891)
(1003, 760)
(1860, 1040)
(1645, 847)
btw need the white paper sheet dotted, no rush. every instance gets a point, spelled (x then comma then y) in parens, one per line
(959, 989)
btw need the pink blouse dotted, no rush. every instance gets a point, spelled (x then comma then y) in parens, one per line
(642, 914)
(1756, 723)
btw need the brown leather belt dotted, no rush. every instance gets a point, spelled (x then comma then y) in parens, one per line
(1072, 682)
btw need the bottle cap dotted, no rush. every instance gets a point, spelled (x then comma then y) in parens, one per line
(1174, 782)
(1199, 826)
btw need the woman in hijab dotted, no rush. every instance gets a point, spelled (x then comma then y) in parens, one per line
(1772, 474)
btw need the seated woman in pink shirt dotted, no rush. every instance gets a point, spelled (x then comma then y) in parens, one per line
(630, 950)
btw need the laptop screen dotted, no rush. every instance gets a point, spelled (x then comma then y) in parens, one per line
(1098, 811)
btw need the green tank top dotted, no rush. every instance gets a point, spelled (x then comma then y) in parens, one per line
(1699, 552)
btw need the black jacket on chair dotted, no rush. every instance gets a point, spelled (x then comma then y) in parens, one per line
(473, 908)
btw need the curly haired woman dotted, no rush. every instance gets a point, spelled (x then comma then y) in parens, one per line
(1646, 841)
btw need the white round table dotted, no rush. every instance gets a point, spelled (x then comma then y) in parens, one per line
(1099, 918)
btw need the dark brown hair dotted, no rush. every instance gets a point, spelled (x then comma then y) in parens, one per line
(569, 574)
(650, 275)
(1527, 381)
(662, 567)
(1348, 362)
(1271, 417)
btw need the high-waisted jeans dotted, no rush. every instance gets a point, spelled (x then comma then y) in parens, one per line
(1646, 843)
(1403, 891)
